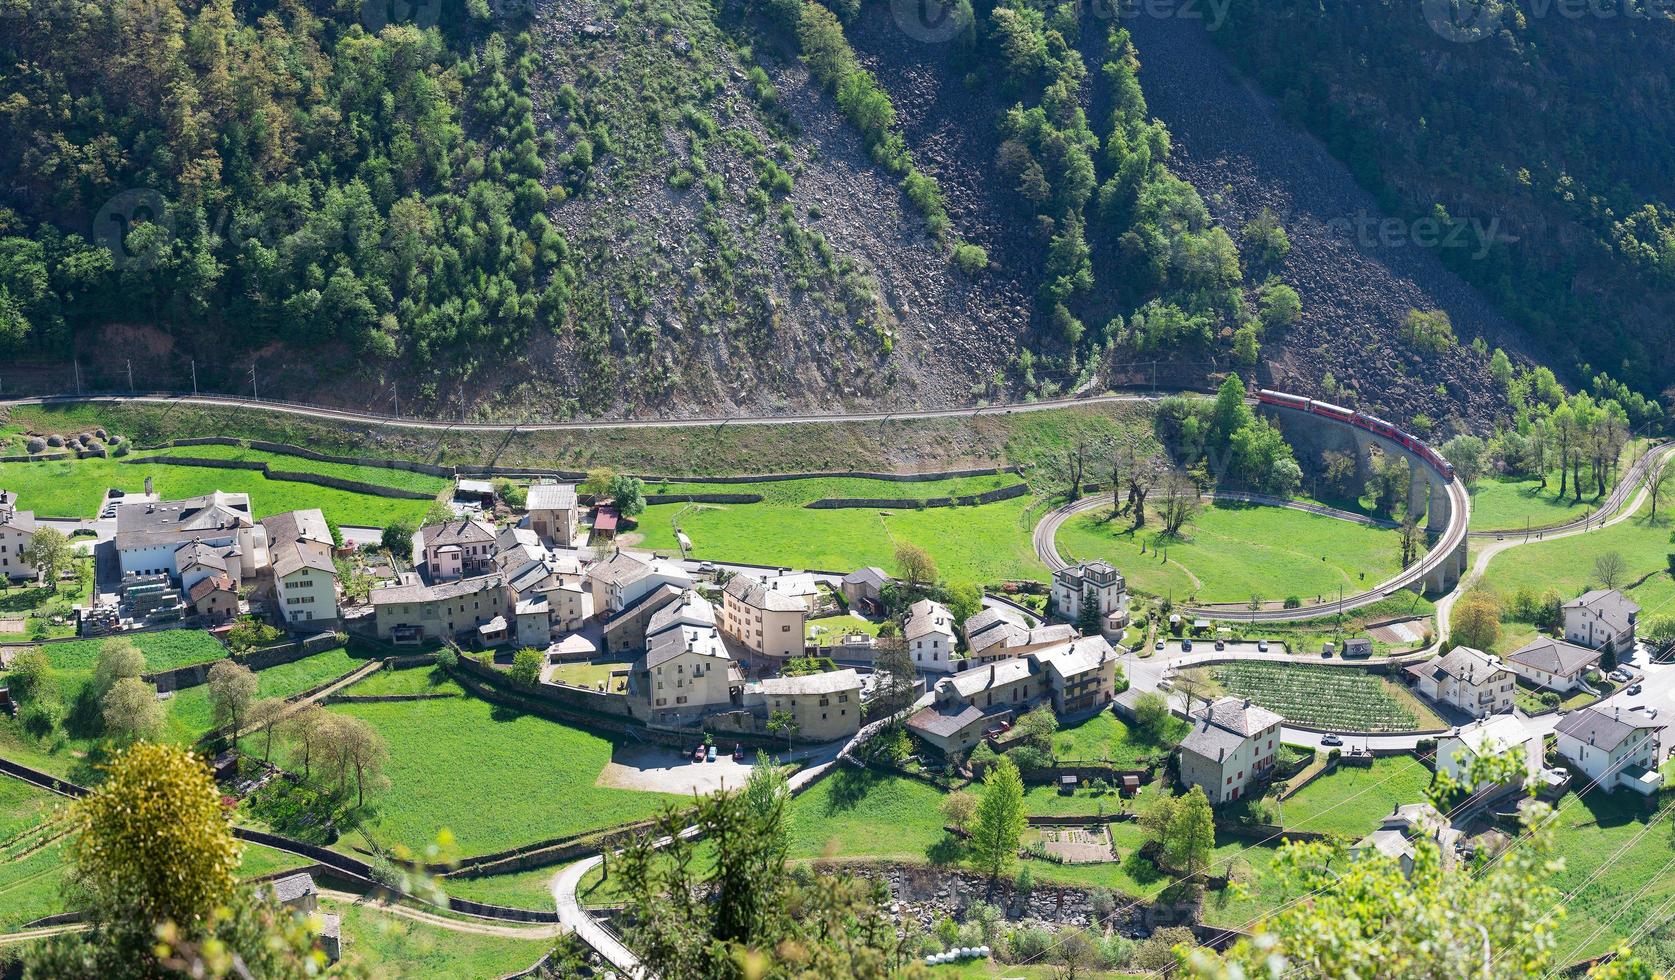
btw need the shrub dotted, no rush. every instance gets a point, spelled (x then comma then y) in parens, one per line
(1157, 954)
(447, 657)
(1292, 602)
(1027, 944)
(971, 259)
(251, 633)
(1025, 882)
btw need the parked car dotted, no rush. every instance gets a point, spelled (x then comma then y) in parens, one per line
(1634, 688)
(698, 754)
(707, 567)
(738, 752)
(1261, 646)
(1158, 646)
(1619, 675)
(1331, 740)
(712, 754)
(1186, 645)
(1221, 644)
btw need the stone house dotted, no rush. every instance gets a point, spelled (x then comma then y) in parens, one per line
(1231, 747)
(768, 623)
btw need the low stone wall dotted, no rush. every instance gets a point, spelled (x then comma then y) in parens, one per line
(192, 675)
(1263, 831)
(572, 705)
(387, 698)
(293, 476)
(909, 503)
(703, 498)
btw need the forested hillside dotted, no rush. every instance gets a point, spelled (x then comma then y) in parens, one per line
(1541, 133)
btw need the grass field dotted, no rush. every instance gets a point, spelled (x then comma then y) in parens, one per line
(987, 543)
(75, 488)
(1507, 503)
(1231, 552)
(494, 776)
(1567, 564)
(1350, 801)
(163, 650)
(1590, 831)
(522, 890)
(829, 630)
(863, 813)
(69, 752)
(387, 945)
(1336, 698)
(590, 674)
(412, 680)
(1105, 736)
(383, 476)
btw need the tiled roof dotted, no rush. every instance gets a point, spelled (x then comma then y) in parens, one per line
(1554, 656)
(830, 682)
(459, 531)
(1240, 715)
(1609, 605)
(754, 592)
(434, 593)
(925, 617)
(551, 496)
(1604, 731)
(144, 524)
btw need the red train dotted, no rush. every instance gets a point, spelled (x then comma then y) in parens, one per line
(1371, 423)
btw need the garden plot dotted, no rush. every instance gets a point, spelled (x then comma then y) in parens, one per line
(1335, 698)
(1078, 845)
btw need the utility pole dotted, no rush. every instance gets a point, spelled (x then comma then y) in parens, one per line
(194, 376)
(253, 395)
(397, 392)
(130, 363)
(77, 363)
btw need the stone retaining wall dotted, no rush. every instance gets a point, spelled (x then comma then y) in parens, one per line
(293, 476)
(909, 503)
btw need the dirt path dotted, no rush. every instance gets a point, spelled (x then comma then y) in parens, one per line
(443, 922)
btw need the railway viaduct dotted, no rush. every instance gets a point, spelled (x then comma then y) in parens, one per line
(1443, 501)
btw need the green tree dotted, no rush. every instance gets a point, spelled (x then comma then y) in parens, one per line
(118, 658)
(964, 600)
(706, 916)
(1280, 305)
(154, 859)
(131, 711)
(628, 493)
(398, 539)
(958, 808)
(598, 483)
(1190, 837)
(1000, 820)
(1475, 620)
(232, 686)
(914, 565)
(782, 722)
(30, 676)
(526, 667)
(1468, 455)
(50, 553)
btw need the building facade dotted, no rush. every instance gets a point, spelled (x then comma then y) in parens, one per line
(17, 529)
(1230, 749)
(1468, 679)
(768, 623)
(1096, 583)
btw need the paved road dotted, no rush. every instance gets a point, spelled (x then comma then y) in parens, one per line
(369, 418)
(1046, 548)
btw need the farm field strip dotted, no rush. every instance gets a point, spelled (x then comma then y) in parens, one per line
(1336, 698)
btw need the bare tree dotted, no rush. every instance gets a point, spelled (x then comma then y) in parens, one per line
(306, 732)
(1658, 479)
(232, 686)
(1610, 568)
(264, 718)
(1180, 502)
(1411, 538)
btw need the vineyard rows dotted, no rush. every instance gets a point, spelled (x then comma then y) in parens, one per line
(1334, 698)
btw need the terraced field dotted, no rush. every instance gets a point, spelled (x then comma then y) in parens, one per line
(1334, 698)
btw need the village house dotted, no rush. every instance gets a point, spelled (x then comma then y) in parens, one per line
(796, 585)
(17, 529)
(1497, 735)
(624, 579)
(1553, 664)
(1095, 582)
(766, 622)
(864, 586)
(1081, 675)
(1614, 747)
(1602, 618)
(1398, 833)
(546, 590)
(462, 548)
(929, 634)
(1468, 679)
(215, 598)
(686, 672)
(299, 546)
(991, 636)
(414, 612)
(823, 707)
(1231, 748)
(151, 534)
(553, 514)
